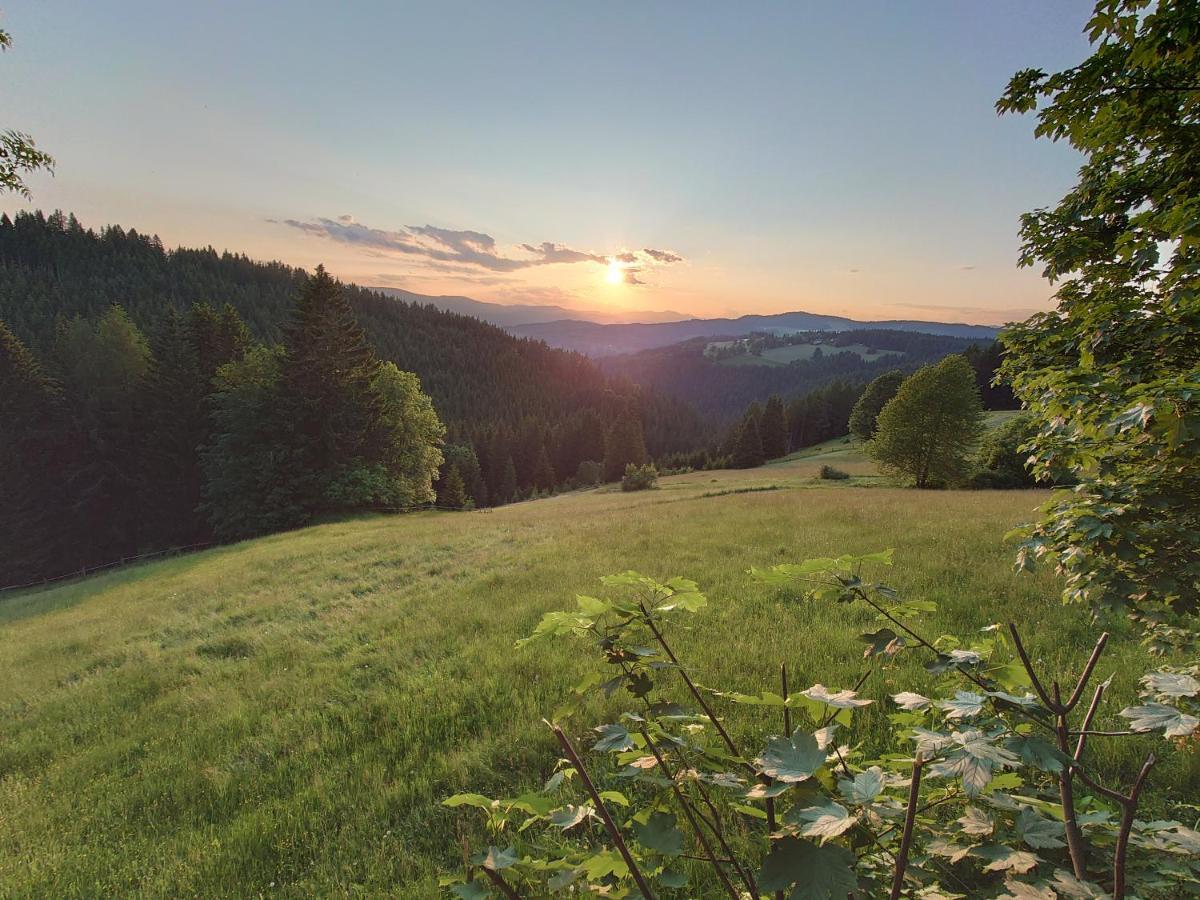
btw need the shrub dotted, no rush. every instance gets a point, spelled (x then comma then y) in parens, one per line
(829, 473)
(984, 787)
(639, 478)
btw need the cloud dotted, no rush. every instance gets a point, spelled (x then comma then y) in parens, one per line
(441, 245)
(465, 252)
(663, 256)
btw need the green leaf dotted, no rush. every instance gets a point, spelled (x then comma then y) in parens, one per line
(881, 642)
(792, 759)
(612, 737)
(1005, 859)
(659, 833)
(496, 859)
(1041, 754)
(865, 787)
(605, 863)
(819, 873)
(909, 700)
(1039, 832)
(965, 705)
(672, 879)
(747, 810)
(1171, 684)
(845, 699)
(477, 800)
(825, 821)
(1160, 716)
(569, 816)
(614, 797)
(976, 822)
(472, 890)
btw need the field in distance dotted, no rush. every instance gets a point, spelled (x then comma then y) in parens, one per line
(782, 356)
(284, 716)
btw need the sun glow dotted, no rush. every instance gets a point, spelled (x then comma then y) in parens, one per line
(615, 273)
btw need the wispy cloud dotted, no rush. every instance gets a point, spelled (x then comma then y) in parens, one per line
(467, 251)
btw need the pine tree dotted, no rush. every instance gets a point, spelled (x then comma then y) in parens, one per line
(543, 473)
(453, 494)
(102, 369)
(624, 446)
(329, 394)
(30, 500)
(774, 429)
(507, 491)
(176, 425)
(748, 452)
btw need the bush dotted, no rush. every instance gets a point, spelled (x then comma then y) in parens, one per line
(829, 473)
(639, 478)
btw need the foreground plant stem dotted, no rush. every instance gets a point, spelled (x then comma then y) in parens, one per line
(910, 818)
(498, 880)
(692, 820)
(1077, 847)
(695, 691)
(613, 831)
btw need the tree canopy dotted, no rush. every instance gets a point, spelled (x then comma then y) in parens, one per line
(928, 430)
(1112, 375)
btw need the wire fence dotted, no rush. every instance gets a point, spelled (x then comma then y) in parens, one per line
(188, 548)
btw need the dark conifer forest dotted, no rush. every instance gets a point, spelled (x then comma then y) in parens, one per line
(155, 399)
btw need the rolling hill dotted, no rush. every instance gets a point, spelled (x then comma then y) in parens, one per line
(596, 339)
(508, 315)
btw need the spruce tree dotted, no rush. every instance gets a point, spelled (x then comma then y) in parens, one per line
(507, 491)
(624, 446)
(748, 452)
(453, 494)
(329, 394)
(31, 502)
(543, 473)
(174, 411)
(774, 429)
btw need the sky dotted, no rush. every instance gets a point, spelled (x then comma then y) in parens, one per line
(707, 158)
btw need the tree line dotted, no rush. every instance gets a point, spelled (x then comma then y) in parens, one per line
(117, 443)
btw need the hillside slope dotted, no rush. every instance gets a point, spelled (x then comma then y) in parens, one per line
(283, 716)
(52, 268)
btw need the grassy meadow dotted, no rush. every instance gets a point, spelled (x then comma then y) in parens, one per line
(282, 717)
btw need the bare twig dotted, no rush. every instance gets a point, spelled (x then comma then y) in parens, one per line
(613, 831)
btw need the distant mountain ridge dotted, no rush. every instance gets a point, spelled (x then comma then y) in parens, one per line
(507, 315)
(596, 339)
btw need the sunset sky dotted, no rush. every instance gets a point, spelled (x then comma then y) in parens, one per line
(713, 159)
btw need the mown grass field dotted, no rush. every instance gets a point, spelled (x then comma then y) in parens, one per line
(283, 717)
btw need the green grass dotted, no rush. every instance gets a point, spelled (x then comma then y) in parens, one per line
(283, 717)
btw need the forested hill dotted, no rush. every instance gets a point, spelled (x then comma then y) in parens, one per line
(52, 268)
(720, 377)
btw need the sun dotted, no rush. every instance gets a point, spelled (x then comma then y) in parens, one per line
(615, 274)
